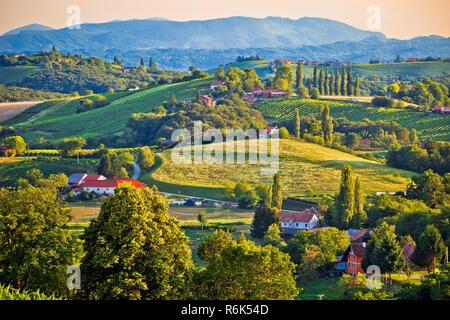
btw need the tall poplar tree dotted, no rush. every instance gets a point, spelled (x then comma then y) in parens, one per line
(315, 77)
(331, 85)
(337, 82)
(321, 82)
(297, 124)
(357, 92)
(349, 81)
(326, 87)
(327, 125)
(343, 206)
(359, 216)
(277, 197)
(343, 83)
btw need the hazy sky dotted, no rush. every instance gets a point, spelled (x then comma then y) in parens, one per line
(401, 19)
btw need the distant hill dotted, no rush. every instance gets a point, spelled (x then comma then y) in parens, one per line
(30, 27)
(208, 43)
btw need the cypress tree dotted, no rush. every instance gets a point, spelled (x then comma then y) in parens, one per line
(299, 74)
(297, 124)
(360, 216)
(152, 65)
(105, 167)
(343, 83)
(331, 86)
(343, 210)
(316, 80)
(349, 81)
(277, 197)
(327, 125)
(321, 76)
(325, 87)
(337, 82)
(357, 92)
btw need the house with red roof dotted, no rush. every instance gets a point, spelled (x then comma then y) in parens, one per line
(206, 99)
(215, 84)
(353, 257)
(293, 222)
(107, 187)
(440, 109)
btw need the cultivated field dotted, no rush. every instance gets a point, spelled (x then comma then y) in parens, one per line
(428, 126)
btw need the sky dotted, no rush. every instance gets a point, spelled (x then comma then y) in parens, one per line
(401, 19)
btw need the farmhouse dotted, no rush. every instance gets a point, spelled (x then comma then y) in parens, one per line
(353, 257)
(440, 109)
(6, 151)
(293, 222)
(128, 69)
(206, 99)
(215, 84)
(106, 187)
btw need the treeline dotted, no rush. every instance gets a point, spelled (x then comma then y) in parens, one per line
(13, 94)
(67, 73)
(434, 155)
(426, 93)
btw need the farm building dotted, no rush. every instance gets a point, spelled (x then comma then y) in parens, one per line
(206, 99)
(215, 84)
(107, 187)
(293, 222)
(353, 257)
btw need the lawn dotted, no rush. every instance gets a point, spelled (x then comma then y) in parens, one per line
(302, 166)
(326, 286)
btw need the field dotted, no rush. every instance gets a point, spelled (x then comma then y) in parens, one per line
(428, 126)
(10, 110)
(58, 119)
(11, 170)
(302, 166)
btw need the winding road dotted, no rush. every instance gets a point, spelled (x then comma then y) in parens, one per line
(137, 170)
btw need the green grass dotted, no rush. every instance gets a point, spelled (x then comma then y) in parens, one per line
(326, 286)
(302, 166)
(428, 126)
(60, 120)
(15, 73)
(11, 171)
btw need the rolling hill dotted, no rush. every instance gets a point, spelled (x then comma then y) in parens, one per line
(58, 119)
(428, 126)
(302, 166)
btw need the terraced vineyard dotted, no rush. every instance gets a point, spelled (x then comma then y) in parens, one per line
(428, 126)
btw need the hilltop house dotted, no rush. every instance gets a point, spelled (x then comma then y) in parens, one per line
(215, 84)
(106, 187)
(128, 69)
(440, 109)
(206, 99)
(293, 222)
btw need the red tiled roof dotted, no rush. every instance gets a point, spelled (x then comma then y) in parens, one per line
(134, 182)
(100, 184)
(304, 216)
(358, 249)
(358, 235)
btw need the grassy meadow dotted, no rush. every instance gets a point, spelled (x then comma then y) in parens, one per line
(302, 166)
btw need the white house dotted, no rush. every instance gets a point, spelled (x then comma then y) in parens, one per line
(106, 187)
(293, 222)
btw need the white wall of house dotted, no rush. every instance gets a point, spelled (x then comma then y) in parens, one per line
(100, 190)
(301, 225)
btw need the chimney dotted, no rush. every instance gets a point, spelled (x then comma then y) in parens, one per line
(364, 244)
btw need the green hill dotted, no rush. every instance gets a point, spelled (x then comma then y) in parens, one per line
(303, 166)
(428, 126)
(411, 70)
(58, 119)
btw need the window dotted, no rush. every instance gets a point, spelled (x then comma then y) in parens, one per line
(306, 225)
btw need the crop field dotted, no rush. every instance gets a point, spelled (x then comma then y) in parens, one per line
(10, 110)
(58, 120)
(428, 126)
(302, 166)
